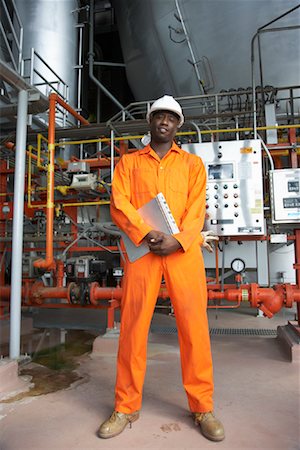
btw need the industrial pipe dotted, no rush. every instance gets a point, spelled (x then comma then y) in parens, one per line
(104, 293)
(17, 238)
(48, 262)
(268, 300)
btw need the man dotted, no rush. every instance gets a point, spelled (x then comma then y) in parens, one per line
(163, 167)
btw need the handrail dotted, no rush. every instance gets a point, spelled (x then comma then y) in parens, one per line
(17, 41)
(189, 103)
(257, 34)
(61, 88)
(181, 133)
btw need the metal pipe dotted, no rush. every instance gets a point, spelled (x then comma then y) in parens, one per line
(17, 243)
(80, 67)
(112, 153)
(198, 131)
(48, 262)
(268, 300)
(69, 108)
(109, 64)
(267, 152)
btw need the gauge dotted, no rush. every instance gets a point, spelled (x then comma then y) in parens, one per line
(238, 265)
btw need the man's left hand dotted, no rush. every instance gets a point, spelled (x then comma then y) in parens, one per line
(209, 237)
(166, 246)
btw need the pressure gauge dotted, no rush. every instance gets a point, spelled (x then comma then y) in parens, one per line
(238, 265)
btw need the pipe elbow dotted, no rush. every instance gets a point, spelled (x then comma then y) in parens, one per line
(47, 263)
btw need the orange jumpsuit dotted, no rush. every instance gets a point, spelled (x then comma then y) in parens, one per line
(181, 177)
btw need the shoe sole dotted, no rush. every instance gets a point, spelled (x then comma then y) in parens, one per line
(213, 438)
(105, 436)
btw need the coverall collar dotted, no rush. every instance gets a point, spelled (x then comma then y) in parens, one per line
(149, 149)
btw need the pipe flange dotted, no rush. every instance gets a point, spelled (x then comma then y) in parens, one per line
(93, 287)
(289, 296)
(73, 293)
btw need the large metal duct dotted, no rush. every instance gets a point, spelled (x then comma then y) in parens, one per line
(159, 57)
(50, 28)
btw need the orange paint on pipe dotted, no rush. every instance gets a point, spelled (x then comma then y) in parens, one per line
(48, 262)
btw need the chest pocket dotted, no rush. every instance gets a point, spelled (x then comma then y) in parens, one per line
(143, 181)
(179, 181)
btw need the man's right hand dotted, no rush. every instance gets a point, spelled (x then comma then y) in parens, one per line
(154, 237)
(162, 244)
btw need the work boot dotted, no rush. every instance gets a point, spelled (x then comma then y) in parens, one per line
(116, 424)
(210, 427)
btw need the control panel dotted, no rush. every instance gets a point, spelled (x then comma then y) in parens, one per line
(234, 192)
(285, 195)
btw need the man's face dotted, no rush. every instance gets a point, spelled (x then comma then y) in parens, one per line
(163, 126)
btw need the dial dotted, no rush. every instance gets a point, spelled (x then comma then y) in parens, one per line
(238, 265)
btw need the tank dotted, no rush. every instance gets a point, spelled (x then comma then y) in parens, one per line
(159, 59)
(50, 28)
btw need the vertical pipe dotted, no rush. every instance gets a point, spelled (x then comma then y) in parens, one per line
(17, 240)
(261, 74)
(237, 134)
(253, 87)
(79, 70)
(32, 66)
(112, 150)
(217, 110)
(50, 178)
(21, 50)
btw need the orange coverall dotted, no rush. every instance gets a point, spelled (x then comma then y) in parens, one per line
(181, 177)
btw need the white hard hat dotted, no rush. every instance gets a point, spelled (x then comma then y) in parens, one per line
(166, 103)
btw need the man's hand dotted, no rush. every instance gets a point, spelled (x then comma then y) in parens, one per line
(162, 244)
(208, 238)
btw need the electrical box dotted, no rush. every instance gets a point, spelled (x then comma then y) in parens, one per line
(78, 167)
(234, 191)
(85, 267)
(84, 181)
(285, 195)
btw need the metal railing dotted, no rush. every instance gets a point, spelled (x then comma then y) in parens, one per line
(221, 108)
(40, 75)
(12, 33)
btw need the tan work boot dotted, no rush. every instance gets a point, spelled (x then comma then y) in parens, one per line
(210, 427)
(116, 424)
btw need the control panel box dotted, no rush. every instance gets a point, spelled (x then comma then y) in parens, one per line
(234, 192)
(285, 195)
(78, 167)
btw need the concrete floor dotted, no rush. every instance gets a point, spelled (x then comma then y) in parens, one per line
(256, 396)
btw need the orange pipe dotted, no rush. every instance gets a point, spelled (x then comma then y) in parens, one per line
(60, 274)
(11, 146)
(104, 293)
(48, 262)
(69, 108)
(268, 300)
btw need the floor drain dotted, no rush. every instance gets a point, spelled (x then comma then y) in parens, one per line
(221, 331)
